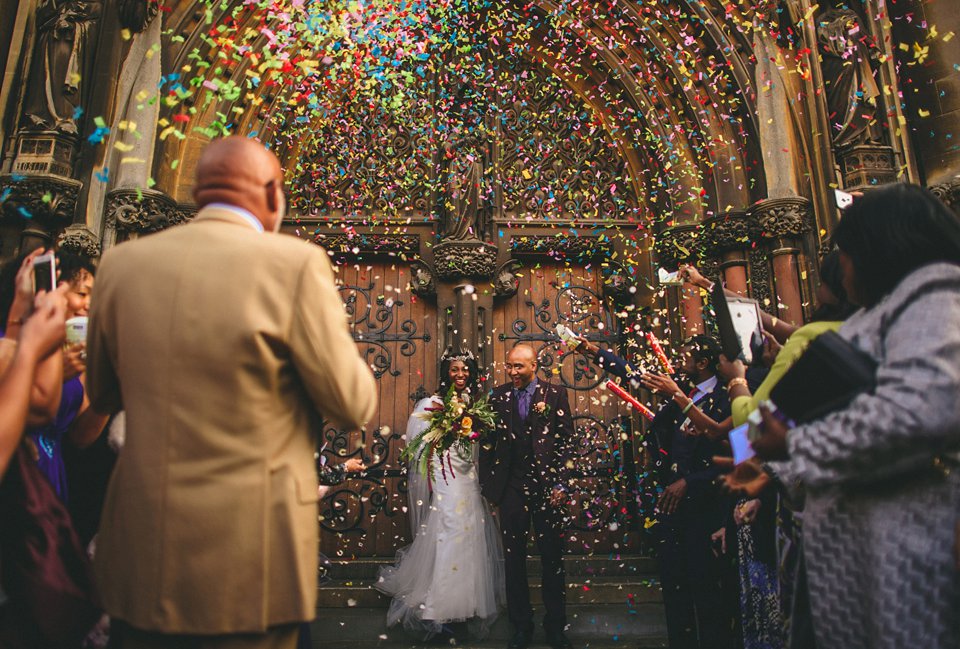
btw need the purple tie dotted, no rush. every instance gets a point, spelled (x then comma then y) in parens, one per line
(523, 403)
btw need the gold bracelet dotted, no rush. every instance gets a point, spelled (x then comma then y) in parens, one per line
(734, 382)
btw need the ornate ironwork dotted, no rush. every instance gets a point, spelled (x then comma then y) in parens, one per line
(374, 326)
(579, 307)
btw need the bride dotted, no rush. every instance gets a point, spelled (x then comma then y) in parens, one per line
(453, 570)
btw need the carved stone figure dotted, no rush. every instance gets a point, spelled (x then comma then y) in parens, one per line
(852, 90)
(61, 64)
(463, 214)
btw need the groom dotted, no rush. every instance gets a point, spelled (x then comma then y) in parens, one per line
(525, 469)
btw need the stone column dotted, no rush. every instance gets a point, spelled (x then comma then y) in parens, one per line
(727, 238)
(783, 223)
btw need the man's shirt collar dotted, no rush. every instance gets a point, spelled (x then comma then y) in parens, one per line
(239, 211)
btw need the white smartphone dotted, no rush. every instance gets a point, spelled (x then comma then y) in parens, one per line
(666, 278)
(844, 200)
(742, 451)
(44, 272)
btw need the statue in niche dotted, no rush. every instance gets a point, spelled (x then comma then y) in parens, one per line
(61, 64)
(463, 207)
(135, 15)
(852, 90)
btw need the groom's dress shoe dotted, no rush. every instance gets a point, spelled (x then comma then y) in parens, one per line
(557, 640)
(520, 640)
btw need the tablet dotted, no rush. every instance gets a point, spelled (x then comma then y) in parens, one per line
(738, 319)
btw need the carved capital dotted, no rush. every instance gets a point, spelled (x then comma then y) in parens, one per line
(677, 245)
(144, 211)
(558, 246)
(506, 283)
(733, 230)
(948, 192)
(370, 244)
(783, 217)
(455, 260)
(422, 282)
(42, 197)
(80, 240)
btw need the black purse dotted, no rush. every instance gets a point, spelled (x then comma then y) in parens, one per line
(827, 377)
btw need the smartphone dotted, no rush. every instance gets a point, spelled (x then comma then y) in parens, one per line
(742, 451)
(666, 278)
(844, 200)
(44, 272)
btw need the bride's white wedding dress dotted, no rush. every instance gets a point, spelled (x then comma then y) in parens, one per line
(453, 570)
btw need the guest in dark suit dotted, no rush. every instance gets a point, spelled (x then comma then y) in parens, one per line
(700, 603)
(525, 469)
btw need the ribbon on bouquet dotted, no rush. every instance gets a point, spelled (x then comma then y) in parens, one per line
(625, 396)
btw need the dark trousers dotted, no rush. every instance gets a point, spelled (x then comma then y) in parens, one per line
(690, 575)
(516, 511)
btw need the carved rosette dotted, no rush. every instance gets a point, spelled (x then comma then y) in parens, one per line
(144, 211)
(506, 283)
(783, 217)
(78, 239)
(422, 282)
(677, 245)
(370, 244)
(949, 193)
(458, 259)
(45, 198)
(734, 230)
(558, 247)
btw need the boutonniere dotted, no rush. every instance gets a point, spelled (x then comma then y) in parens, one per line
(541, 408)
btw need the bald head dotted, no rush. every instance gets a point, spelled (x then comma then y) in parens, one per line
(239, 171)
(521, 365)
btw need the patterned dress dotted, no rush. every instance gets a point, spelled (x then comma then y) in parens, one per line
(878, 527)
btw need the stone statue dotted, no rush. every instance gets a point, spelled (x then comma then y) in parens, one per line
(462, 197)
(61, 64)
(852, 90)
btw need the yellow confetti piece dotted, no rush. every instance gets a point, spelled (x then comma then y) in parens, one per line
(125, 34)
(122, 147)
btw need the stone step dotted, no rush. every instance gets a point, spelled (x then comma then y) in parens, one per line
(625, 566)
(617, 626)
(580, 590)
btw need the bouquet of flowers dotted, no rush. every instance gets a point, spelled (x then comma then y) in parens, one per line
(458, 423)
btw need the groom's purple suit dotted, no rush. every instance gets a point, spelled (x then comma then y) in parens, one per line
(520, 465)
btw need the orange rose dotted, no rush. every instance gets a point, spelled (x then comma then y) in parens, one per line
(466, 424)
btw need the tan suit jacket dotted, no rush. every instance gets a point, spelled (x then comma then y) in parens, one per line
(222, 344)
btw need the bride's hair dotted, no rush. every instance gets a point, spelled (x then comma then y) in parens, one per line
(468, 360)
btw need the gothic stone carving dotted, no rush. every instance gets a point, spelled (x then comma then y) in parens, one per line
(370, 244)
(506, 283)
(949, 193)
(677, 245)
(78, 239)
(556, 246)
(40, 197)
(783, 217)
(144, 211)
(866, 165)
(730, 231)
(760, 279)
(457, 259)
(422, 283)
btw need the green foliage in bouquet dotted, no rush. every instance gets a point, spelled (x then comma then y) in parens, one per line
(458, 423)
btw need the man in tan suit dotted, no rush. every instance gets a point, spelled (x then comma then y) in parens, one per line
(223, 342)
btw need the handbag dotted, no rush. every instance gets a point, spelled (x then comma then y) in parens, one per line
(826, 378)
(43, 566)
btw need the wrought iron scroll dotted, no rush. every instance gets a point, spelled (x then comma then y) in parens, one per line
(580, 308)
(372, 323)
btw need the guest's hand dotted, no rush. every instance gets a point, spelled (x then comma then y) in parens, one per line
(44, 331)
(586, 347)
(74, 361)
(718, 541)
(660, 383)
(354, 465)
(771, 349)
(692, 275)
(23, 296)
(746, 479)
(772, 443)
(672, 495)
(746, 512)
(731, 369)
(557, 497)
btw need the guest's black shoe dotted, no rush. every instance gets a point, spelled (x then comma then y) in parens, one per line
(520, 640)
(557, 640)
